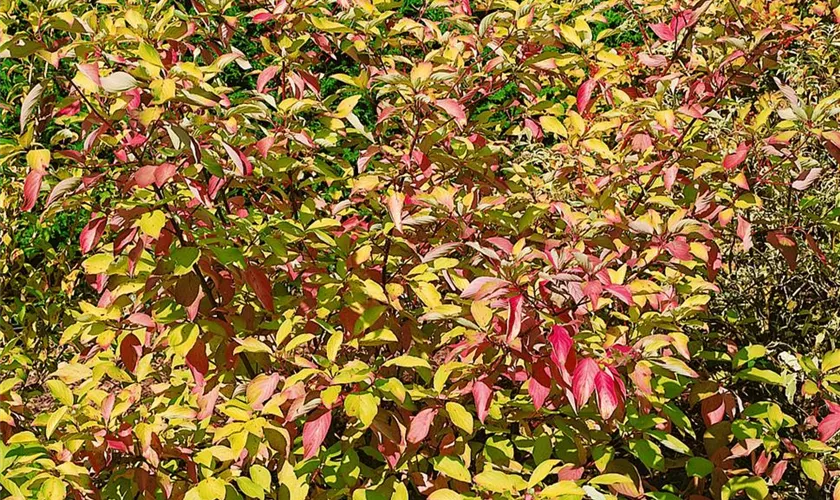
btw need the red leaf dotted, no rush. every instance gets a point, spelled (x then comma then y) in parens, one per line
(482, 394)
(265, 76)
(163, 173)
(31, 188)
(561, 347)
(607, 396)
(785, 244)
(664, 32)
(514, 321)
(258, 281)
(314, 431)
(584, 95)
(593, 290)
(829, 426)
(744, 232)
(420, 424)
(91, 234)
(198, 363)
(454, 109)
(583, 380)
(734, 159)
(130, 351)
(145, 176)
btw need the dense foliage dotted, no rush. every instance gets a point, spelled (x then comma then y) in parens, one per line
(448, 249)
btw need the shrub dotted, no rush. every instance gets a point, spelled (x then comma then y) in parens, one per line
(449, 249)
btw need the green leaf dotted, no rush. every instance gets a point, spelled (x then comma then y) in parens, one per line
(261, 476)
(149, 54)
(611, 478)
(699, 467)
(649, 453)
(184, 259)
(830, 361)
(754, 487)
(250, 488)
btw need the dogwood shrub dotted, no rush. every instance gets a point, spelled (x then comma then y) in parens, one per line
(387, 250)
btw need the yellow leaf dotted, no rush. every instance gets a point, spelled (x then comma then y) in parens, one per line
(460, 416)
(38, 158)
(151, 223)
(553, 125)
(346, 106)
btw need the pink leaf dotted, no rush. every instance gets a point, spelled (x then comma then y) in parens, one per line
(31, 188)
(420, 425)
(607, 397)
(621, 292)
(778, 471)
(664, 32)
(583, 380)
(514, 321)
(482, 394)
(454, 109)
(108, 406)
(258, 281)
(745, 232)
(395, 208)
(91, 70)
(734, 159)
(91, 234)
(207, 403)
(539, 386)
(806, 179)
(679, 249)
(584, 95)
(484, 287)
(265, 76)
(314, 432)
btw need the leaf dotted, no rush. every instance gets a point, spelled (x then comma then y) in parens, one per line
(563, 489)
(91, 234)
(514, 321)
(454, 109)
(151, 223)
(460, 416)
(119, 81)
(420, 424)
(583, 380)
(182, 338)
(63, 188)
(745, 233)
(732, 160)
(261, 286)
(445, 494)
(265, 76)
(499, 482)
(149, 54)
(786, 245)
(649, 453)
(31, 188)
(395, 207)
(453, 467)
(584, 95)
(806, 178)
(482, 395)
(363, 406)
(33, 97)
(484, 287)
(814, 469)
(699, 467)
(314, 431)
(542, 471)
(610, 479)
(755, 487)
